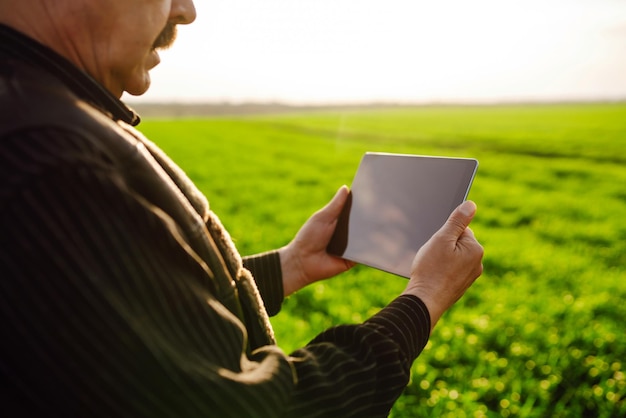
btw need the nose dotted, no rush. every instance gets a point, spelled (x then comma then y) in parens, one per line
(183, 12)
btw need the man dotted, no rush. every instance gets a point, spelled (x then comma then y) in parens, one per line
(121, 294)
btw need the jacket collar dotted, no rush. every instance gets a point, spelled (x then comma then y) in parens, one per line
(16, 45)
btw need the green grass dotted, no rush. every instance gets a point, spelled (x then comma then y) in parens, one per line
(542, 332)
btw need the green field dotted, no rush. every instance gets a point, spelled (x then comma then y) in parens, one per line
(543, 332)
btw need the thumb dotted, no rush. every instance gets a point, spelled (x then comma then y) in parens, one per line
(334, 207)
(459, 219)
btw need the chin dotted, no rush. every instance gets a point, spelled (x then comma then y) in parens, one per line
(139, 88)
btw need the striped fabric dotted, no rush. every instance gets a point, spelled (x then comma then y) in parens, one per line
(121, 297)
(265, 269)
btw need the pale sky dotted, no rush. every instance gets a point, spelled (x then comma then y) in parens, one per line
(319, 51)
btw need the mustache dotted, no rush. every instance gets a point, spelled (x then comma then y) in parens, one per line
(167, 37)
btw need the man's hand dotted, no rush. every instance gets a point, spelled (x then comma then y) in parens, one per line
(447, 265)
(305, 260)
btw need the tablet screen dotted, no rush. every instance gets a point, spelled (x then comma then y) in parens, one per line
(396, 203)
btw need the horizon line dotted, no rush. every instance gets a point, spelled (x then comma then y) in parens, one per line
(224, 107)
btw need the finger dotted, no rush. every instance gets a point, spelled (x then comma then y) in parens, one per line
(334, 207)
(469, 233)
(459, 219)
(342, 263)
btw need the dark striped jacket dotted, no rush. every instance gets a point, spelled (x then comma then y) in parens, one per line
(121, 294)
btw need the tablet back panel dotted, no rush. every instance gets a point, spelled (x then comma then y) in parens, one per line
(397, 202)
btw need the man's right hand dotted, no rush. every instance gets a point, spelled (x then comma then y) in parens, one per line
(447, 265)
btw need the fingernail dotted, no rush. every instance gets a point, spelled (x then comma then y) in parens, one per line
(468, 208)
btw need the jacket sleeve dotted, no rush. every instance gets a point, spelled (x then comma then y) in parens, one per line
(266, 270)
(107, 312)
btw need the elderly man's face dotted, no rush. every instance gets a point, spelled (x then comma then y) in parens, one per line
(128, 40)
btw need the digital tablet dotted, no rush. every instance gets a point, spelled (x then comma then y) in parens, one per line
(396, 203)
